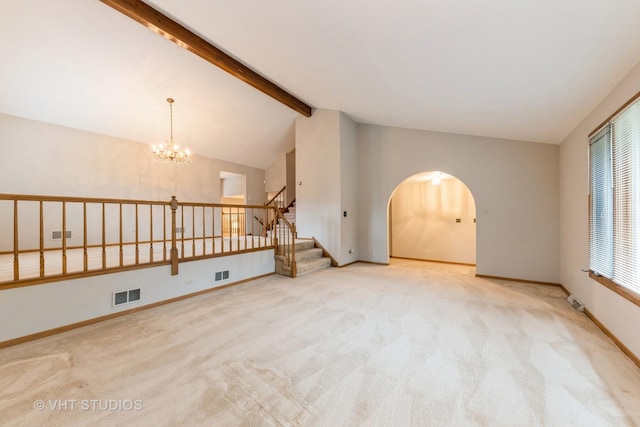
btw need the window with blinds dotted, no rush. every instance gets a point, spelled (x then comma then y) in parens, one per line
(614, 216)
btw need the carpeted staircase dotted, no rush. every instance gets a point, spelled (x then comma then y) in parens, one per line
(290, 213)
(309, 258)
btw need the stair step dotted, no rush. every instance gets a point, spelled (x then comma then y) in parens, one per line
(309, 258)
(311, 265)
(300, 245)
(307, 254)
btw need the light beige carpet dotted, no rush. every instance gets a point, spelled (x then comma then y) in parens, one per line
(360, 346)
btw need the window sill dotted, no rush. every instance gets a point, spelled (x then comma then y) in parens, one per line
(620, 290)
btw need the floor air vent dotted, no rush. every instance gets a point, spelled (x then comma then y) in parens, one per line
(573, 302)
(124, 297)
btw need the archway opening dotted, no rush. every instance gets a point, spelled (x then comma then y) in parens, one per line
(432, 217)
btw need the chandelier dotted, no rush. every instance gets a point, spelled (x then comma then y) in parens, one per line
(170, 152)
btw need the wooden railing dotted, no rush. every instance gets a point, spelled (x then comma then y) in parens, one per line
(279, 200)
(45, 238)
(284, 231)
(286, 235)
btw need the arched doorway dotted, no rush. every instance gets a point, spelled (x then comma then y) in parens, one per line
(432, 217)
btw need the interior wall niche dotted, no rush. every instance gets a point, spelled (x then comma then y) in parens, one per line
(432, 217)
(233, 188)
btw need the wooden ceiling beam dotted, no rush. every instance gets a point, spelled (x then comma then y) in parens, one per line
(171, 30)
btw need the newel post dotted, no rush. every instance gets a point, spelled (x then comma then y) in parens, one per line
(174, 247)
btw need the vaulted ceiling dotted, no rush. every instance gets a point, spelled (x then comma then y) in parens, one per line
(525, 70)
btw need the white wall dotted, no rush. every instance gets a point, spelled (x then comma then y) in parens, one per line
(44, 159)
(615, 312)
(318, 172)
(32, 309)
(348, 190)
(233, 186)
(276, 174)
(326, 166)
(423, 221)
(514, 184)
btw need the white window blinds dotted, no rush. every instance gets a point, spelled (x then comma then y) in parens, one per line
(601, 248)
(625, 130)
(615, 199)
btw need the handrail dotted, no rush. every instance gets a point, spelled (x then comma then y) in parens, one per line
(273, 199)
(278, 202)
(38, 198)
(90, 236)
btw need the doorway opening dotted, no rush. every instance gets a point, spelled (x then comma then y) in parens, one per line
(432, 217)
(233, 191)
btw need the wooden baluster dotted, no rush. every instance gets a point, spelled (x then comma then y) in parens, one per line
(150, 232)
(294, 268)
(193, 231)
(213, 230)
(174, 249)
(244, 226)
(253, 236)
(286, 228)
(182, 234)
(164, 233)
(121, 251)
(274, 236)
(104, 239)
(237, 228)
(16, 260)
(231, 228)
(64, 238)
(266, 212)
(85, 254)
(137, 240)
(204, 235)
(41, 238)
(256, 218)
(222, 227)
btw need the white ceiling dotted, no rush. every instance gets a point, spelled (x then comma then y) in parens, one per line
(526, 69)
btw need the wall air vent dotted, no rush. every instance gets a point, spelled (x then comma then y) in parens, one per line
(124, 297)
(57, 235)
(221, 275)
(120, 298)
